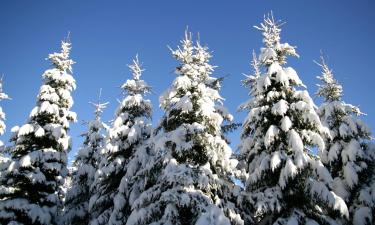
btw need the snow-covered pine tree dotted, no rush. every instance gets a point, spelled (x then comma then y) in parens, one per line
(349, 157)
(132, 184)
(3, 96)
(285, 182)
(4, 160)
(39, 155)
(188, 182)
(84, 166)
(130, 129)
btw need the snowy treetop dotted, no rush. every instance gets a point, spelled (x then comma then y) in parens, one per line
(274, 50)
(331, 90)
(136, 85)
(2, 114)
(194, 59)
(2, 94)
(61, 59)
(99, 107)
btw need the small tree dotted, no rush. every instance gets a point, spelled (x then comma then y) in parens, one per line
(130, 129)
(84, 168)
(4, 160)
(349, 155)
(188, 181)
(31, 193)
(3, 96)
(285, 182)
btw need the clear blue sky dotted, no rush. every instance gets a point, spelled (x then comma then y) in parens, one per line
(106, 35)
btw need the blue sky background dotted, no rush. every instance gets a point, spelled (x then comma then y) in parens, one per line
(106, 35)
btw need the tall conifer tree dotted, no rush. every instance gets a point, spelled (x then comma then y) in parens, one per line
(4, 159)
(350, 155)
(188, 181)
(132, 184)
(130, 128)
(31, 194)
(84, 167)
(3, 96)
(285, 182)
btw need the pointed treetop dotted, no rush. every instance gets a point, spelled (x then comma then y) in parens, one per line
(67, 39)
(194, 59)
(136, 85)
(99, 107)
(136, 69)
(271, 30)
(331, 90)
(185, 54)
(61, 59)
(274, 51)
(2, 94)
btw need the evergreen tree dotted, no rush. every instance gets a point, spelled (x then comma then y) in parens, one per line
(130, 129)
(349, 156)
(189, 180)
(31, 193)
(4, 160)
(3, 96)
(84, 168)
(139, 156)
(285, 182)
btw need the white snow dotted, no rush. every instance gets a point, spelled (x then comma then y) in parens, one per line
(26, 129)
(280, 108)
(213, 216)
(286, 123)
(271, 135)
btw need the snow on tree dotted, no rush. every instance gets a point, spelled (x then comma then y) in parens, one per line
(349, 156)
(84, 166)
(31, 193)
(3, 96)
(189, 180)
(4, 160)
(132, 184)
(284, 181)
(130, 129)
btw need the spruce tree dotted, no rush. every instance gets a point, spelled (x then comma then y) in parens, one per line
(349, 155)
(130, 128)
(285, 183)
(140, 153)
(4, 159)
(189, 179)
(31, 194)
(3, 96)
(84, 167)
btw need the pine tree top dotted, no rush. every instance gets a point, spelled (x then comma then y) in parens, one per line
(274, 50)
(136, 85)
(331, 89)
(61, 59)
(98, 106)
(194, 59)
(2, 94)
